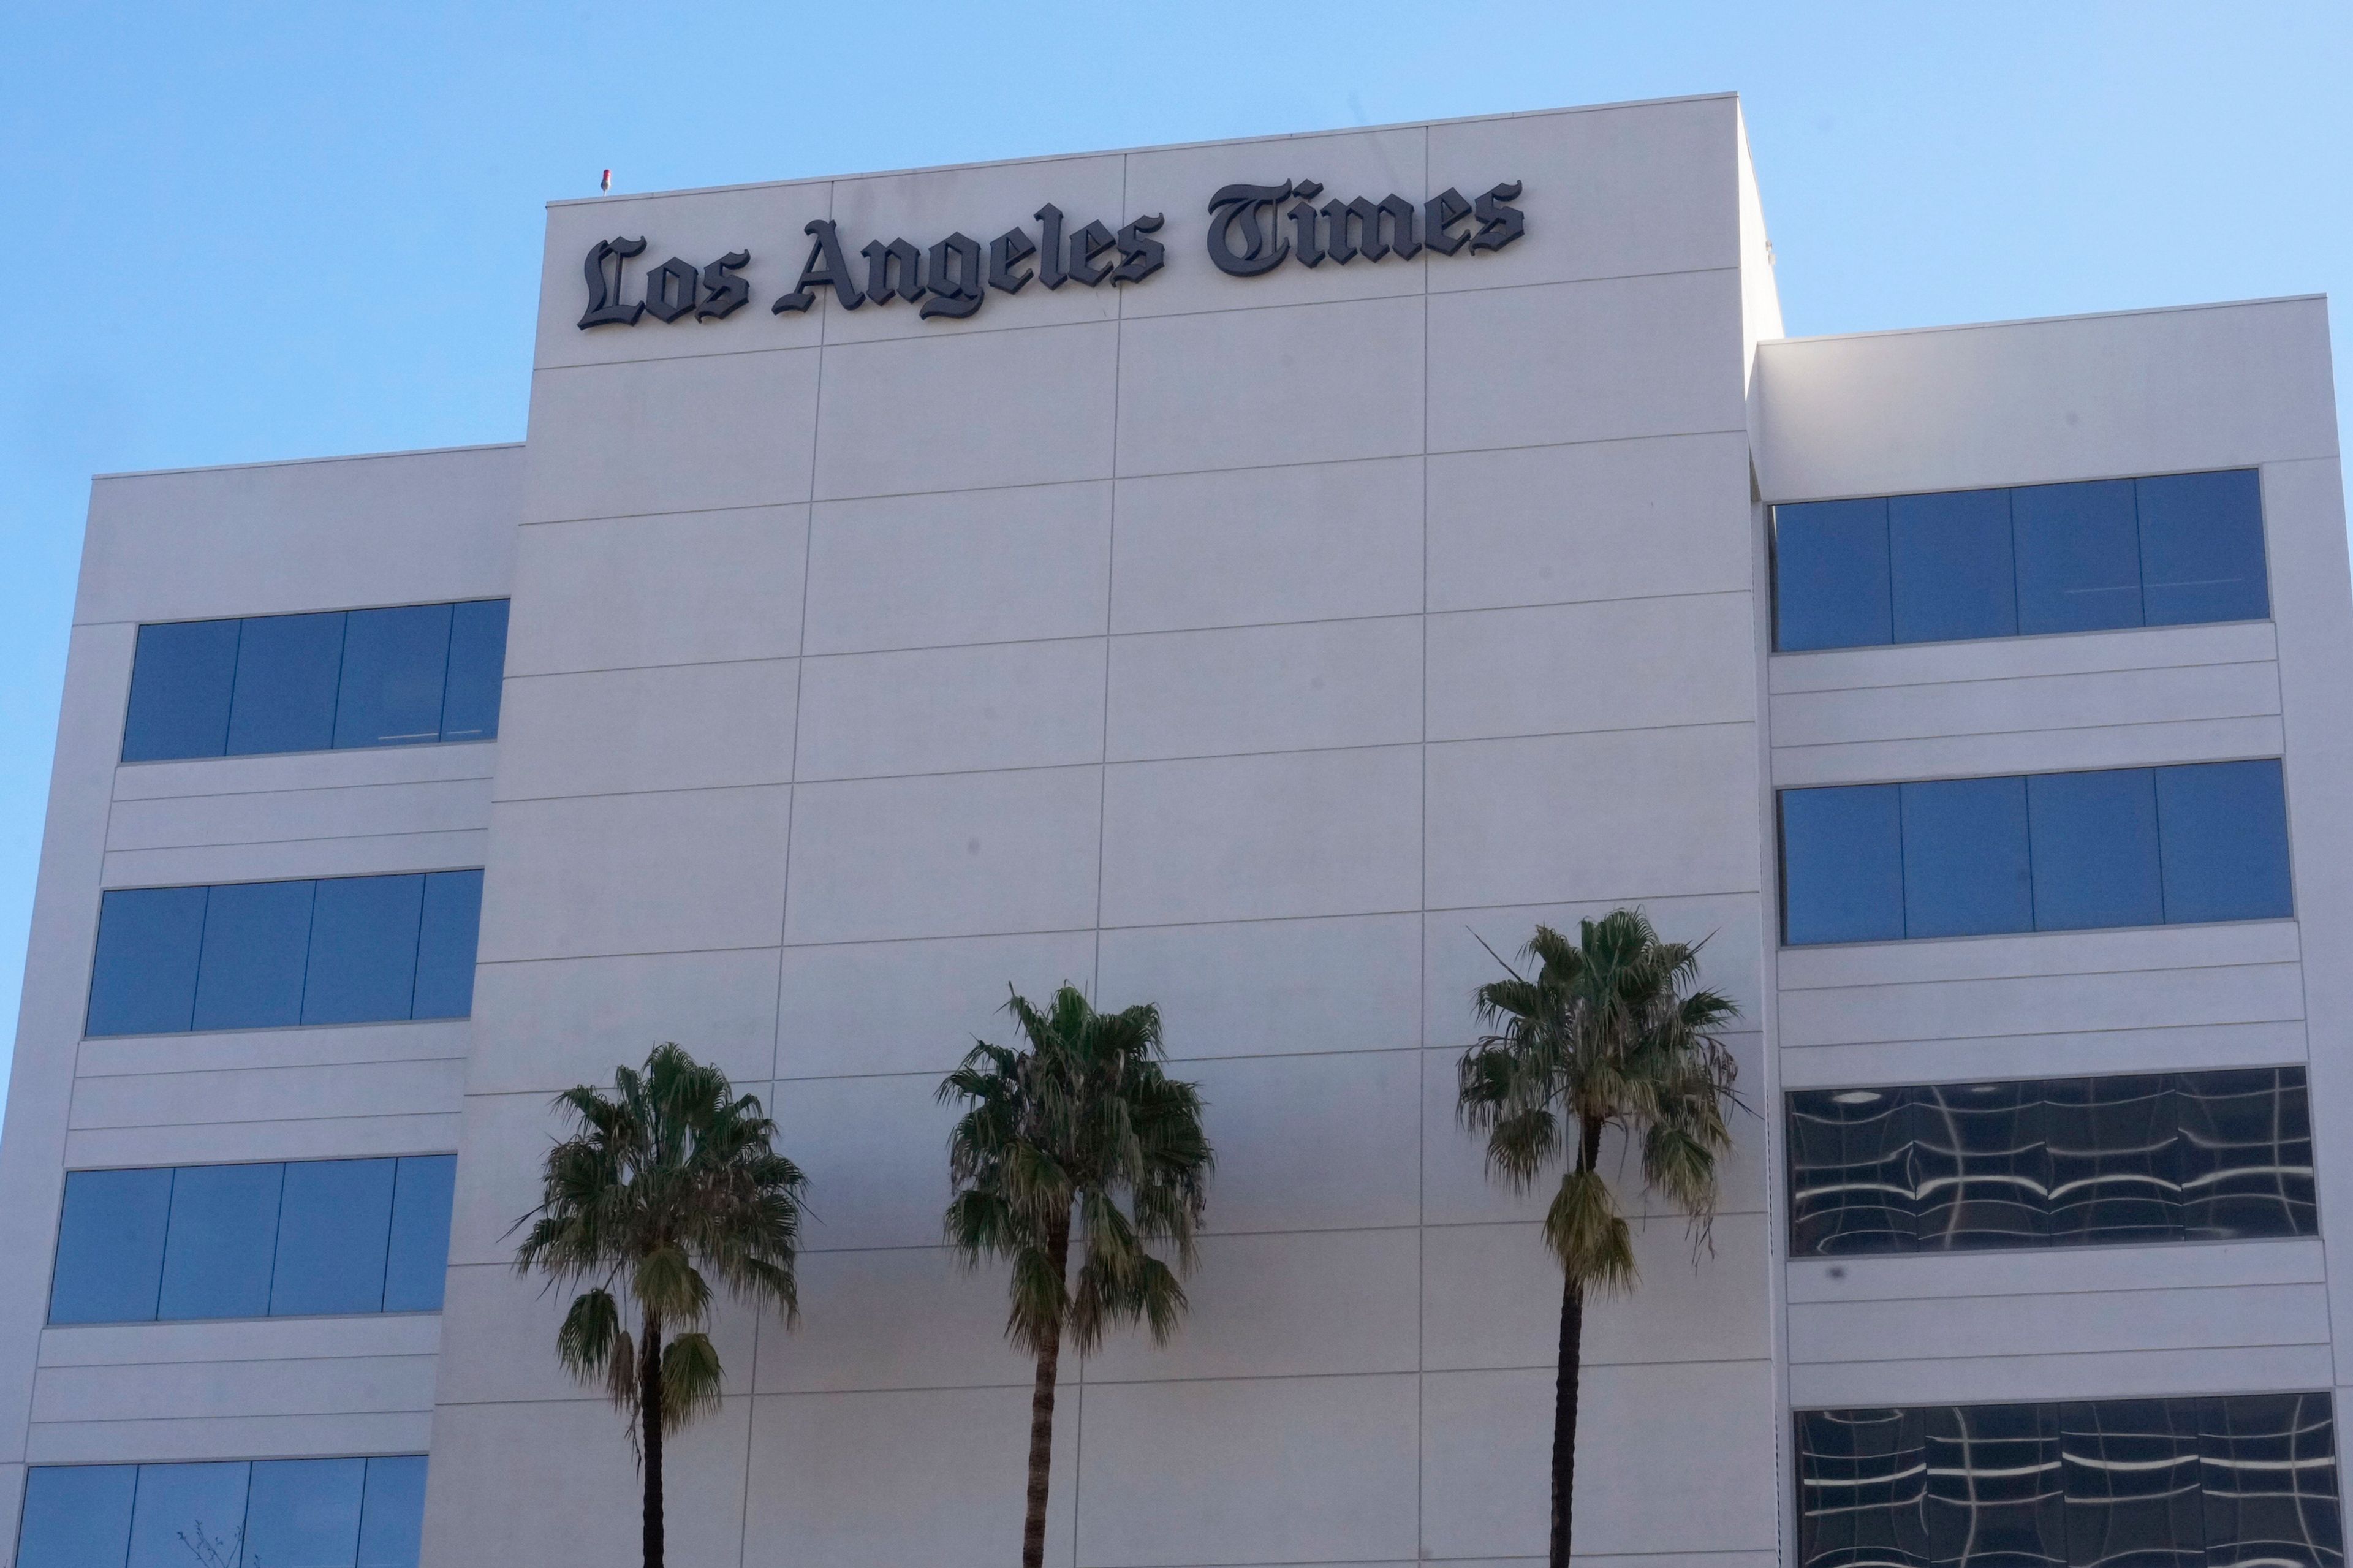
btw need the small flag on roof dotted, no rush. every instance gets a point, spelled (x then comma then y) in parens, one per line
(606, 184)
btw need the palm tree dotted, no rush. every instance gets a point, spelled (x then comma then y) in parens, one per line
(1604, 1032)
(1053, 1137)
(667, 1174)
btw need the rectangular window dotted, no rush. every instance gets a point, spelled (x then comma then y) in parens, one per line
(407, 676)
(2222, 1155)
(2170, 549)
(307, 1238)
(2242, 1478)
(2118, 847)
(363, 1512)
(250, 955)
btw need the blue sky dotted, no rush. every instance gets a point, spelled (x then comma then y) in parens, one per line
(253, 231)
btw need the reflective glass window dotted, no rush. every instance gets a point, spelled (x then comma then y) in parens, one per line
(2268, 1471)
(224, 1230)
(305, 1513)
(333, 1228)
(249, 972)
(76, 1516)
(1829, 574)
(1980, 1166)
(2130, 1472)
(2224, 828)
(363, 959)
(478, 662)
(1852, 1188)
(418, 1258)
(143, 977)
(1965, 865)
(1994, 1492)
(2116, 1159)
(2202, 548)
(1862, 1487)
(449, 934)
(392, 1517)
(181, 678)
(1954, 573)
(286, 670)
(2078, 556)
(2246, 1155)
(2139, 1483)
(395, 663)
(2094, 849)
(1842, 864)
(2224, 1154)
(111, 1246)
(189, 1515)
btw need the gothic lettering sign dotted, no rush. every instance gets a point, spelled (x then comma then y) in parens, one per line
(1252, 232)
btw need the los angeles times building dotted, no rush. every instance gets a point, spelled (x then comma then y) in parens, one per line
(1253, 578)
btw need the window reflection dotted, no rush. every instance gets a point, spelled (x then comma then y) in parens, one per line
(2149, 1483)
(2078, 1161)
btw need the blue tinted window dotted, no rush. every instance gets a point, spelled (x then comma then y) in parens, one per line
(2202, 548)
(1842, 864)
(250, 973)
(420, 1234)
(287, 670)
(478, 661)
(181, 677)
(394, 665)
(1830, 573)
(1964, 869)
(144, 978)
(2095, 859)
(332, 1230)
(111, 1246)
(451, 930)
(2078, 556)
(1950, 559)
(2223, 827)
(76, 1516)
(305, 1513)
(392, 1520)
(224, 1230)
(186, 1512)
(363, 950)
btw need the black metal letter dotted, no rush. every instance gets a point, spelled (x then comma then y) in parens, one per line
(605, 307)
(1086, 244)
(1499, 225)
(956, 289)
(1439, 217)
(1402, 239)
(1139, 254)
(826, 266)
(669, 290)
(723, 291)
(878, 258)
(1237, 207)
(1303, 220)
(1049, 247)
(1006, 251)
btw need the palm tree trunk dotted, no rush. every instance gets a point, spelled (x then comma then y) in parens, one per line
(650, 1404)
(1571, 1364)
(1041, 1416)
(1563, 1416)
